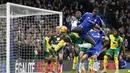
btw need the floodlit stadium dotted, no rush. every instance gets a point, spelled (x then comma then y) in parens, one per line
(65, 36)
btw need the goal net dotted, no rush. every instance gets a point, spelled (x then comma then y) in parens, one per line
(22, 29)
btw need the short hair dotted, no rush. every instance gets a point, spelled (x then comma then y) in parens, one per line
(96, 8)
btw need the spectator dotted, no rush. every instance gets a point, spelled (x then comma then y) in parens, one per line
(122, 63)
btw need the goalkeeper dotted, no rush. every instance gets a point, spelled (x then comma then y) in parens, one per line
(61, 32)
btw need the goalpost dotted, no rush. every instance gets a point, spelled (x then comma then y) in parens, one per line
(22, 29)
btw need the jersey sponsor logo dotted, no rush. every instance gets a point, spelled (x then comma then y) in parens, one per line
(95, 20)
(95, 36)
(92, 22)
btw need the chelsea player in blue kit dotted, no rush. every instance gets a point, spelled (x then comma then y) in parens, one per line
(93, 52)
(89, 20)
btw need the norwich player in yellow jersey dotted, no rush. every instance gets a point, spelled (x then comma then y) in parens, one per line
(47, 47)
(115, 42)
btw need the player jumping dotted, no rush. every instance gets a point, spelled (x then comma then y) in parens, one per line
(89, 21)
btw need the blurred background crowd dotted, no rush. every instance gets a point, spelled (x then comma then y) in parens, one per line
(115, 13)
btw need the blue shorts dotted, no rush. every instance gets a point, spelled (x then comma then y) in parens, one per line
(92, 52)
(83, 33)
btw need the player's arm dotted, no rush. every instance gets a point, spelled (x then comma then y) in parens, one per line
(100, 24)
(107, 42)
(44, 45)
(120, 41)
(51, 42)
(83, 17)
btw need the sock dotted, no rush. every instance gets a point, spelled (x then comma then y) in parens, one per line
(60, 68)
(91, 61)
(105, 62)
(60, 62)
(44, 66)
(80, 66)
(116, 62)
(128, 70)
(75, 61)
(54, 66)
(60, 44)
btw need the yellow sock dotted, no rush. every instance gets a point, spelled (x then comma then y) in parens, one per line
(116, 62)
(75, 61)
(44, 66)
(54, 66)
(128, 70)
(82, 67)
(60, 44)
(91, 61)
(105, 62)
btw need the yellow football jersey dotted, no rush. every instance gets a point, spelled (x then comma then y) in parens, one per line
(115, 41)
(47, 46)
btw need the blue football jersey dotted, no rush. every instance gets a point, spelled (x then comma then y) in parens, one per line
(97, 37)
(89, 21)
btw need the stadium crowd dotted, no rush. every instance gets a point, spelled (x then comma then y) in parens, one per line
(115, 13)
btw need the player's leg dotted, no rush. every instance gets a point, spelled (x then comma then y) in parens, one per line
(77, 29)
(116, 53)
(49, 57)
(91, 61)
(83, 35)
(60, 60)
(54, 62)
(82, 51)
(71, 37)
(45, 61)
(129, 71)
(85, 56)
(81, 65)
(94, 63)
(109, 53)
(87, 38)
(75, 61)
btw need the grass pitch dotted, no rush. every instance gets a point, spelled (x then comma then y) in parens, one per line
(109, 71)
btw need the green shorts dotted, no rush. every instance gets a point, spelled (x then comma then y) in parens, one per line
(47, 54)
(83, 50)
(113, 52)
(75, 39)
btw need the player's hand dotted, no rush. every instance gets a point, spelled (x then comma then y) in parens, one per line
(100, 31)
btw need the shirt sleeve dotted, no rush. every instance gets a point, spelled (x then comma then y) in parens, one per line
(121, 40)
(44, 44)
(84, 16)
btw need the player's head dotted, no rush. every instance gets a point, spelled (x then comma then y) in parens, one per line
(96, 29)
(95, 11)
(57, 29)
(115, 32)
(120, 57)
(49, 33)
(77, 14)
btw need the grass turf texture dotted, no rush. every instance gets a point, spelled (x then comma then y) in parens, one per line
(109, 71)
